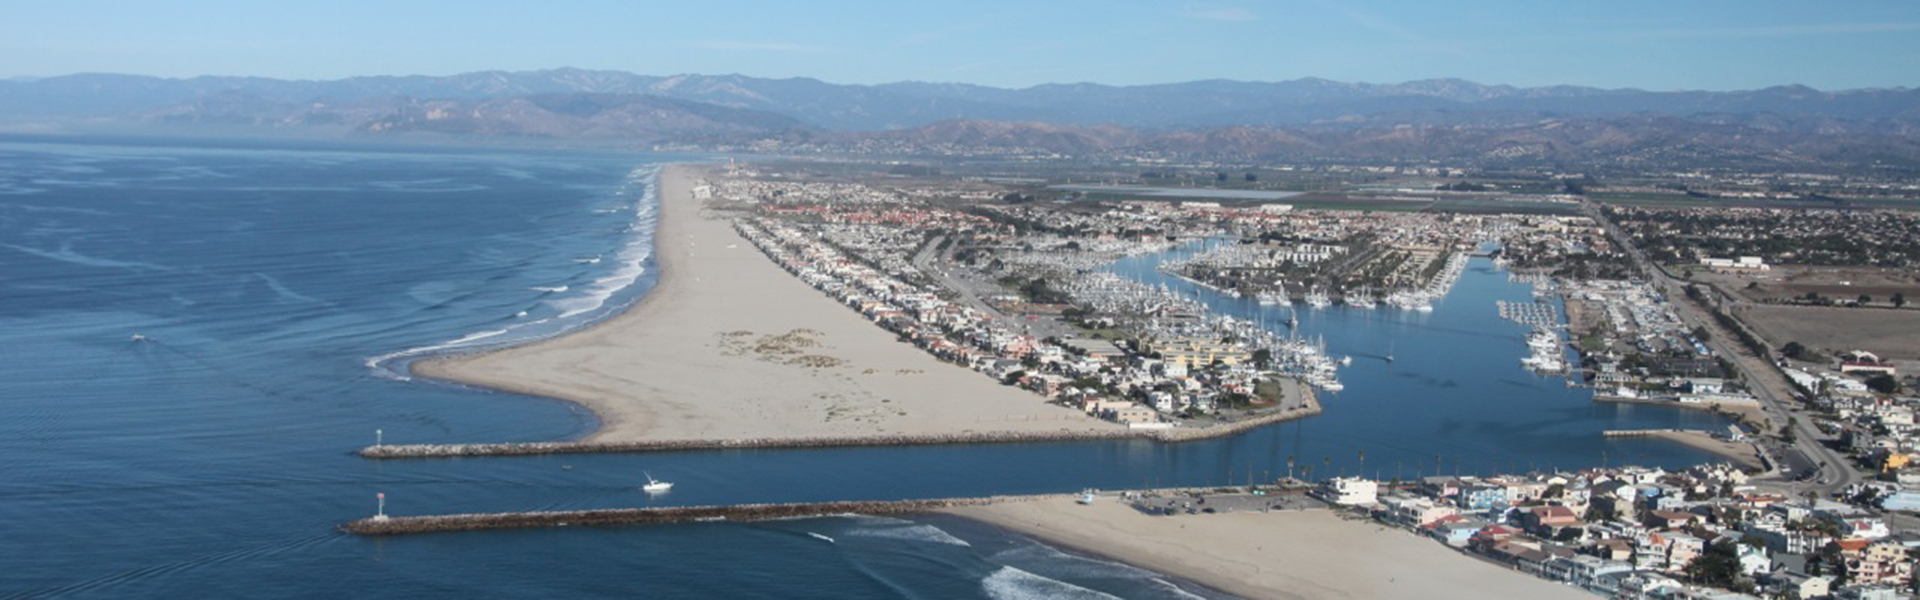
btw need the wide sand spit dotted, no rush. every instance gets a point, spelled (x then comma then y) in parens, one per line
(1282, 554)
(727, 346)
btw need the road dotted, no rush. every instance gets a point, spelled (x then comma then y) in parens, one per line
(1767, 383)
(924, 261)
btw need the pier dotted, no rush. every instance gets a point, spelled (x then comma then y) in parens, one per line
(647, 516)
(1627, 433)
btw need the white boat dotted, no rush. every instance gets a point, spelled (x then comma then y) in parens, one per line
(1361, 299)
(655, 486)
(1318, 299)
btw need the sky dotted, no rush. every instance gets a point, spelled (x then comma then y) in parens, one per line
(1654, 45)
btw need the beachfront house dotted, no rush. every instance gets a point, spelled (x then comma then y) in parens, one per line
(1481, 497)
(1583, 570)
(1348, 491)
(1455, 530)
(1414, 510)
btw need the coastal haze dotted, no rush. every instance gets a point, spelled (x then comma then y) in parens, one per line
(1369, 300)
(1304, 119)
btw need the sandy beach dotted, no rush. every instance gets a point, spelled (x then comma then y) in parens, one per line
(1286, 554)
(1741, 454)
(728, 346)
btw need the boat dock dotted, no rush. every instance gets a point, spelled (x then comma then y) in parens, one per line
(392, 525)
(1536, 314)
(1623, 433)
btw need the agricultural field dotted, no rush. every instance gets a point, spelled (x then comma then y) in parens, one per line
(1893, 334)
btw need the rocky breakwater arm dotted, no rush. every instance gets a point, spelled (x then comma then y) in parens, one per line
(648, 516)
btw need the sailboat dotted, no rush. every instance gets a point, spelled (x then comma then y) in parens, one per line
(655, 486)
(1389, 350)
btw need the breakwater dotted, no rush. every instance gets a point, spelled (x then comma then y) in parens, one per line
(1175, 435)
(392, 525)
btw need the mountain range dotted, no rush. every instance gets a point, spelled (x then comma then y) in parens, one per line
(1439, 118)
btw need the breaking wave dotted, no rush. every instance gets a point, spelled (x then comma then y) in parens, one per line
(1009, 583)
(580, 305)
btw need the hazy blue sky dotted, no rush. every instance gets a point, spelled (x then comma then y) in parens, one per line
(1666, 44)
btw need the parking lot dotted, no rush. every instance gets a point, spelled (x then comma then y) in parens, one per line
(1203, 502)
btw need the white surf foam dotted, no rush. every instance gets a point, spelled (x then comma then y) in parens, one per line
(914, 532)
(631, 259)
(1009, 583)
(594, 295)
(1062, 562)
(551, 290)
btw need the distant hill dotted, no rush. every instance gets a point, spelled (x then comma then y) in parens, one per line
(1209, 103)
(1302, 118)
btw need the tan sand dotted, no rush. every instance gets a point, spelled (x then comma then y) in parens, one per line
(1746, 411)
(729, 346)
(1742, 454)
(1287, 554)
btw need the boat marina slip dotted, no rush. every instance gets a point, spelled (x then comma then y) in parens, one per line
(215, 454)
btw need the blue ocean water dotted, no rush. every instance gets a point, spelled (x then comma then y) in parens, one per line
(278, 290)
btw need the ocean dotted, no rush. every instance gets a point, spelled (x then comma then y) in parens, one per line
(194, 340)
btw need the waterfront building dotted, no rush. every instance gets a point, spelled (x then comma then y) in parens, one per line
(1349, 491)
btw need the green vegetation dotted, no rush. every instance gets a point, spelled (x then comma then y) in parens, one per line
(1800, 352)
(1719, 567)
(1883, 383)
(1592, 343)
(1269, 391)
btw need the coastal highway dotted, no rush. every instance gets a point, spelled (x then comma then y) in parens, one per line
(1807, 453)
